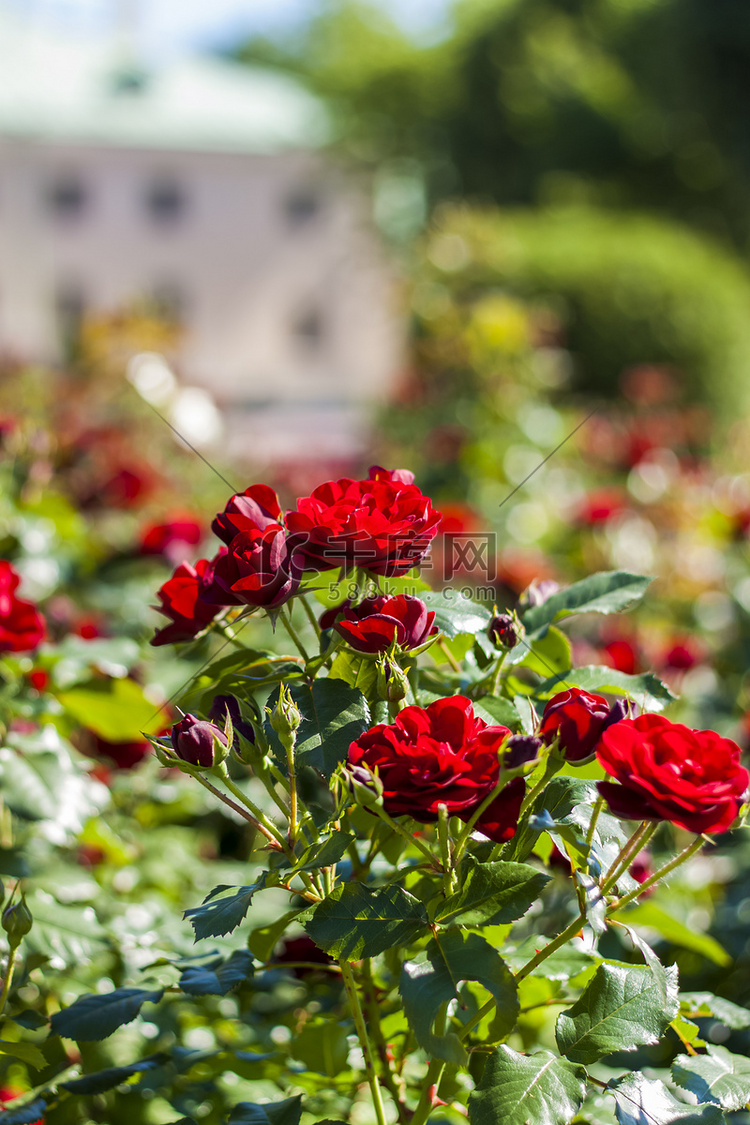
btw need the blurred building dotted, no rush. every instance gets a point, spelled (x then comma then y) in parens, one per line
(203, 187)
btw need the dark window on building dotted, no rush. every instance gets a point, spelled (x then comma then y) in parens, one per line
(309, 328)
(68, 197)
(165, 201)
(302, 205)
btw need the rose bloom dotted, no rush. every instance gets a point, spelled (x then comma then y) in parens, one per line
(182, 601)
(578, 718)
(667, 771)
(441, 755)
(256, 569)
(383, 524)
(22, 626)
(171, 537)
(256, 507)
(375, 623)
(121, 755)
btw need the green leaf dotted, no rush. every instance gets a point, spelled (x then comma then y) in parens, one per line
(655, 918)
(71, 934)
(326, 853)
(287, 1112)
(426, 985)
(455, 613)
(103, 1080)
(323, 1046)
(26, 1052)
(706, 1004)
(538, 1089)
(221, 912)
(661, 979)
(115, 709)
(559, 799)
(355, 670)
(334, 714)
(218, 977)
(547, 655)
(640, 1101)
(611, 591)
(718, 1076)
(497, 712)
(646, 689)
(356, 921)
(621, 1008)
(96, 1017)
(492, 892)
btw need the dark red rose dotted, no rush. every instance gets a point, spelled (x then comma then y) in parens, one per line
(171, 537)
(441, 755)
(22, 626)
(327, 619)
(384, 524)
(194, 740)
(123, 755)
(503, 631)
(302, 948)
(257, 569)
(182, 601)
(578, 718)
(375, 623)
(682, 655)
(669, 772)
(256, 507)
(228, 705)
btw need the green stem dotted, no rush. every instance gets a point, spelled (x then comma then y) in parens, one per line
(310, 614)
(449, 655)
(259, 815)
(495, 682)
(431, 1082)
(359, 1022)
(628, 851)
(8, 976)
(467, 830)
(373, 1020)
(568, 933)
(285, 618)
(243, 812)
(685, 854)
(445, 850)
(594, 817)
(552, 765)
(409, 837)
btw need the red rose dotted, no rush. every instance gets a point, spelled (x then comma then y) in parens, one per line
(257, 569)
(182, 602)
(598, 507)
(256, 507)
(22, 626)
(668, 772)
(375, 623)
(383, 524)
(622, 655)
(441, 755)
(123, 755)
(170, 538)
(578, 719)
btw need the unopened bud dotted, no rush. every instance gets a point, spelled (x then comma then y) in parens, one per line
(393, 684)
(286, 717)
(505, 630)
(198, 742)
(17, 922)
(366, 788)
(521, 749)
(228, 707)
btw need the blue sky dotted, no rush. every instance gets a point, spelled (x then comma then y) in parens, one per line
(167, 27)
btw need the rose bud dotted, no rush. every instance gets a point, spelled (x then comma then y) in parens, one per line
(286, 717)
(224, 705)
(17, 921)
(505, 630)
(393, 684)
(578, 719)
(198, 742)
(521, 749)
(376, 623)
